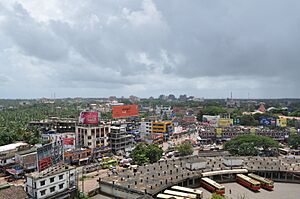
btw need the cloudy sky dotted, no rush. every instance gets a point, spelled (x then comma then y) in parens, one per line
(98, 48)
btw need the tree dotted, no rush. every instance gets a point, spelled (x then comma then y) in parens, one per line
(250, 145)
(184, 149)
(294, 141)
(248, 120)
(146, 153)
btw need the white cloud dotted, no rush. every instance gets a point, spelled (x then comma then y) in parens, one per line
(123, 47)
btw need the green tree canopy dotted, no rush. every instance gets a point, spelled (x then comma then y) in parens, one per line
(185, 148)
(294, 141)
(146, 153)
(248, 120)
(250, 145)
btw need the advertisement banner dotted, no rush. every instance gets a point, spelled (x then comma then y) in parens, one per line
(125, 111)
(89, 118)
(69, 141)
(50, 154)
(223, 122)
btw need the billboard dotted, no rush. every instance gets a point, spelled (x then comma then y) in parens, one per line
(50, 154)
(125, 111)
(88, 118)
(69, 143)
(223, 122)
(281, 122)
(212, 120)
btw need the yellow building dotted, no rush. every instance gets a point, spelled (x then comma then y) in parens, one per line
(164, 127)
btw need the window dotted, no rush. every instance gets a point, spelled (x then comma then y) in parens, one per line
(52, 179)
(89, 137)
(61, 186)
(42, 183)
(52, 189)
(72, 174)
(61, 176)
(43, 192)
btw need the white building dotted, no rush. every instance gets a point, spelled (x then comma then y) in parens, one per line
(145, 128)
(92, 136)
(161, 110)
(8, 152)
(55, 182)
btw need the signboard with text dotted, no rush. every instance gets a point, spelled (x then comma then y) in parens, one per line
(89, 118)
(125, 111)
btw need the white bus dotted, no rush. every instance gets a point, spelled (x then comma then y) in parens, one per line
(198, 193)
(181, 194)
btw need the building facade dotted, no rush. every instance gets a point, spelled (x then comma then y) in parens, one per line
(92, 136)
(55, 182)
(120, 141)
(164, 127)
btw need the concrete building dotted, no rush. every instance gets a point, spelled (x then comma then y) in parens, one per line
(60, 125)
(55, 182)
(27, 159)
(8, 152)
(164, 127)
(92, 136)
(120, 141)
(145, 128)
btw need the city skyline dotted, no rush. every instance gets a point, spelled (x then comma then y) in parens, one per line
(147, 48)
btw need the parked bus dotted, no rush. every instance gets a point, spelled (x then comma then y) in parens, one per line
(265, 183)
(212, 186)
(180, 194)
(166, 196)
(198, 193)
(248, 182)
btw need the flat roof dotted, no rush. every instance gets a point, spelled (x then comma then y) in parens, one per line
(13, 146)
(50, 171)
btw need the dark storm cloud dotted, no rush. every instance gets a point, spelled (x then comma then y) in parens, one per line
(155, 46)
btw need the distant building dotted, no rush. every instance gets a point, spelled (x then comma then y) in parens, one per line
(262, 108)
(55, 182)
(60, 125)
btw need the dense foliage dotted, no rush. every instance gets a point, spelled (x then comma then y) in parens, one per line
(185, 149)
(14, 120)
(250, 145)
(294, 141)
(146, 153)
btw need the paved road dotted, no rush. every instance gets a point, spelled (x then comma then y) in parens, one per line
(281, 191)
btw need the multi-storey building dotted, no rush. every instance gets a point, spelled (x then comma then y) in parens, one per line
(164, 127)
(92, 136)
(55, 182)
(60, 125)
(145, 128)
(120, 140)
